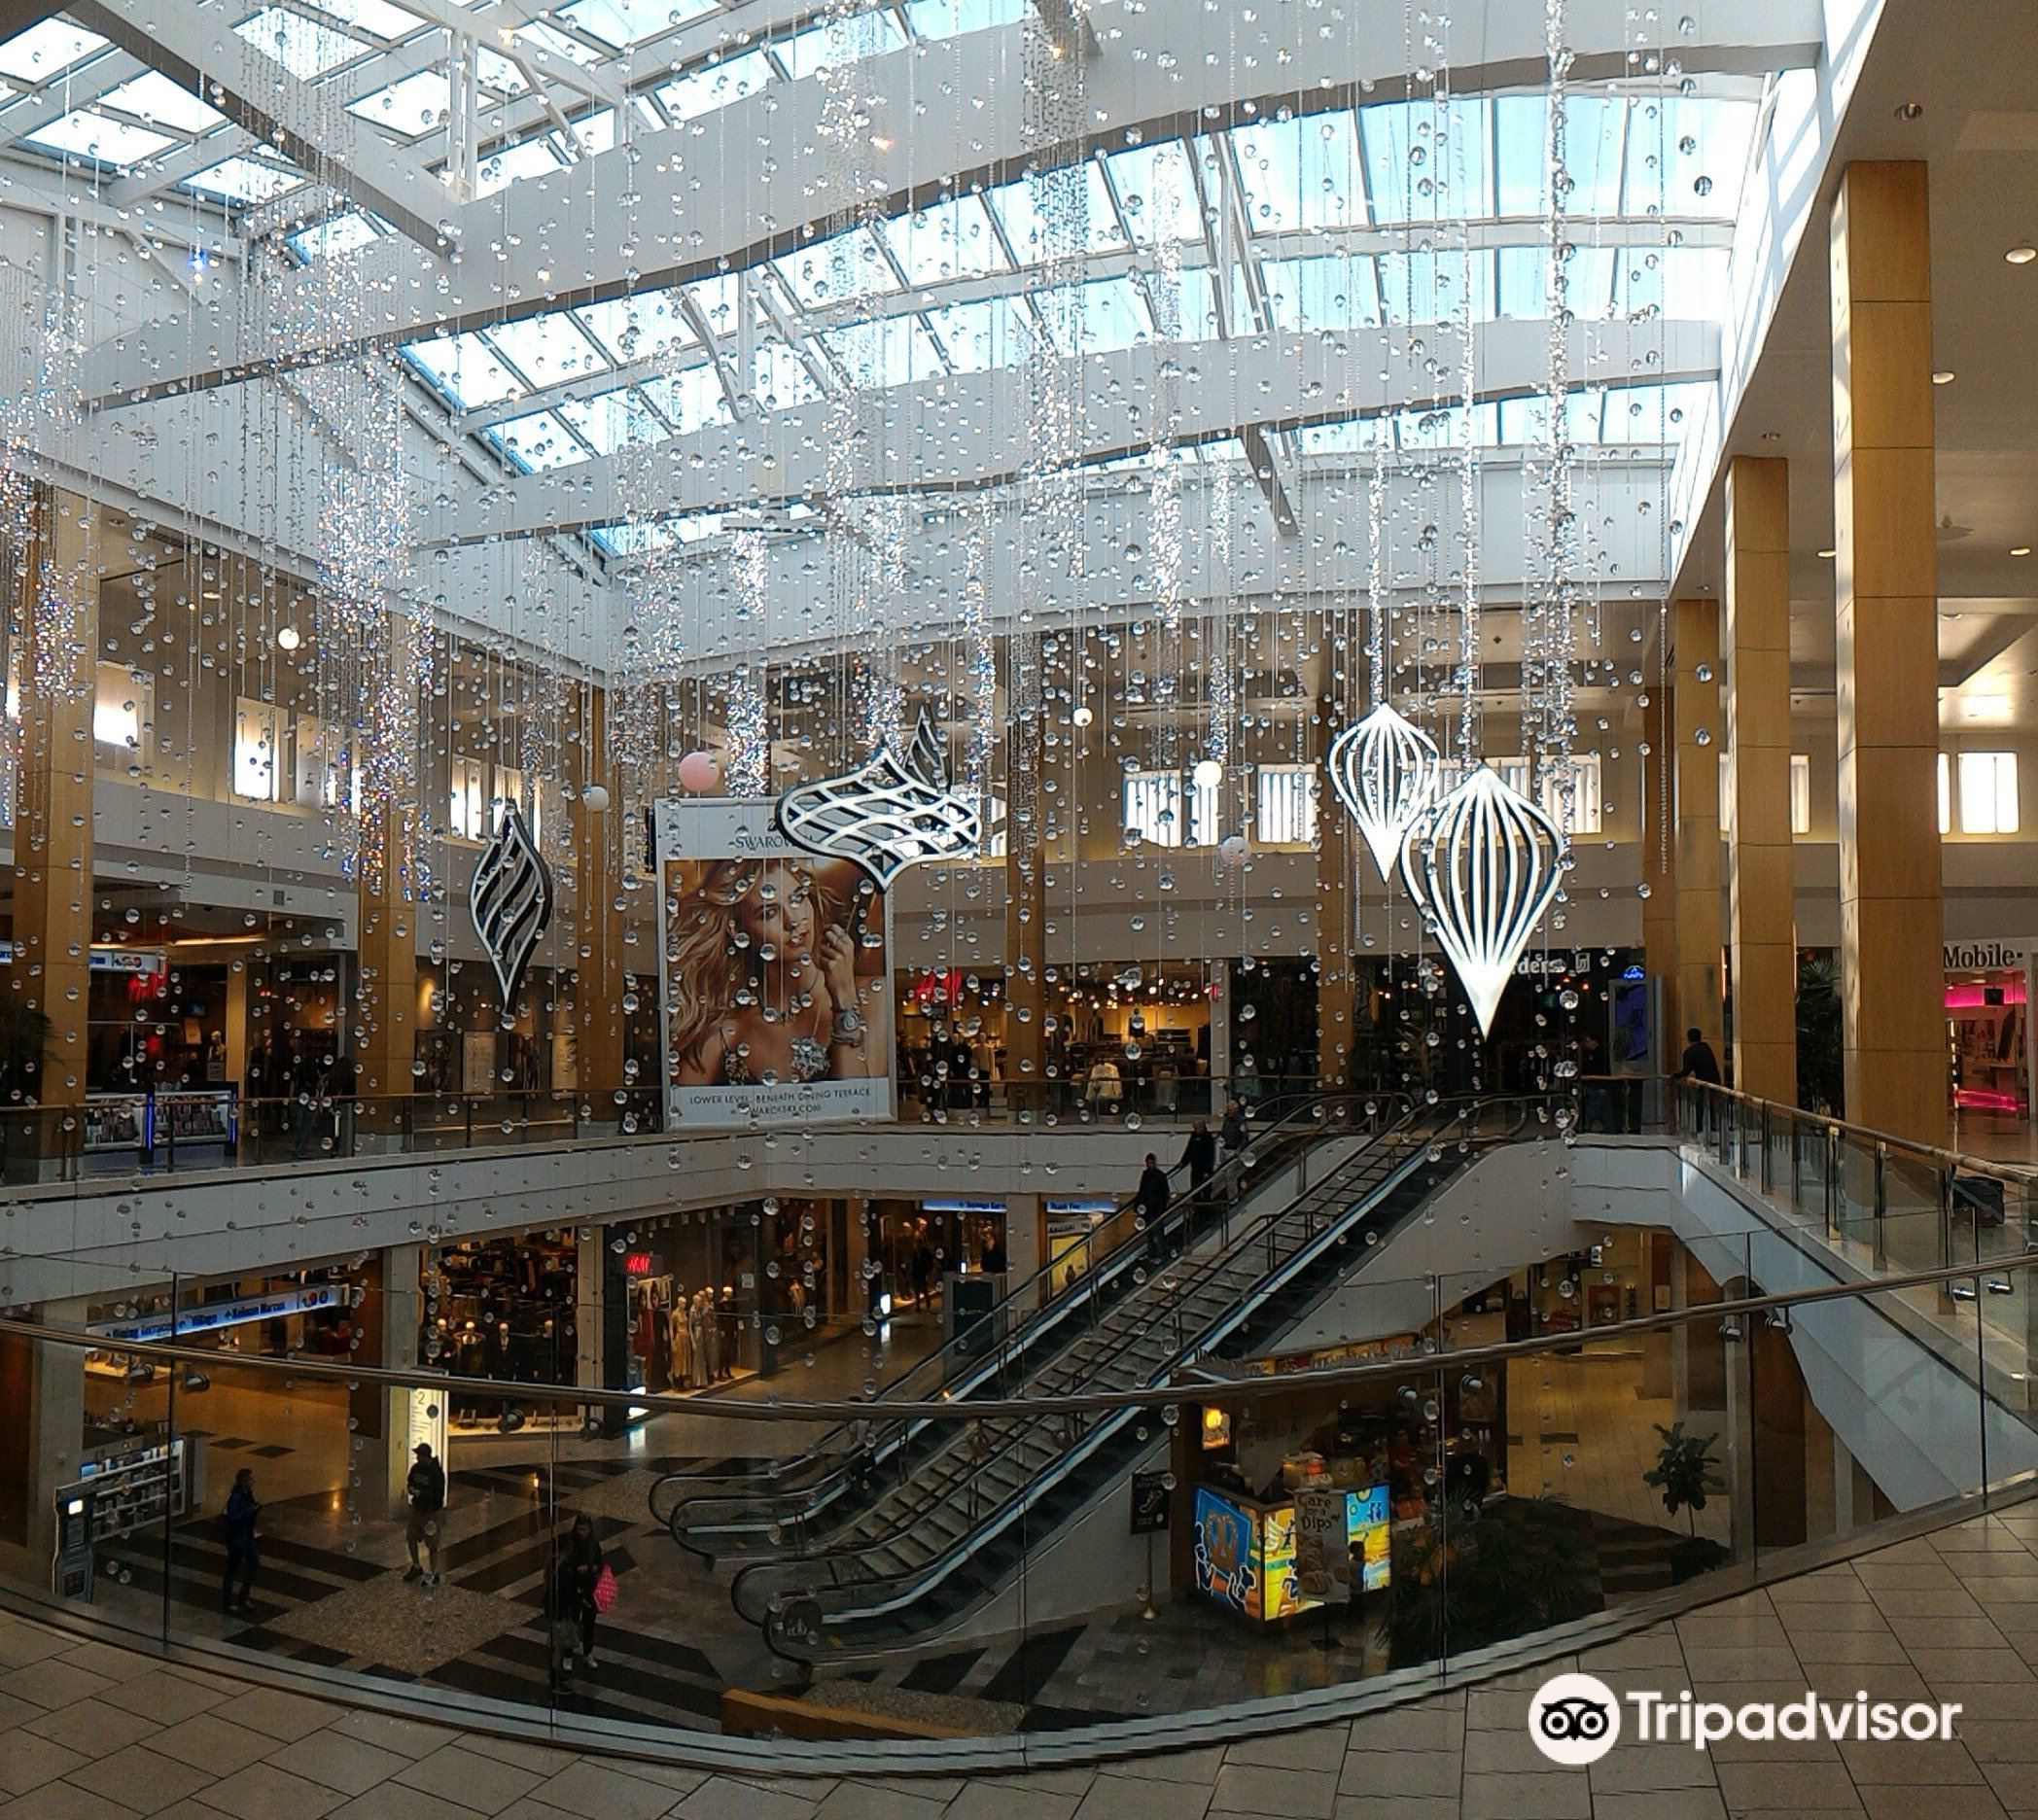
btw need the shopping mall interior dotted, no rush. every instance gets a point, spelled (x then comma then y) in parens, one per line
(1018, 909)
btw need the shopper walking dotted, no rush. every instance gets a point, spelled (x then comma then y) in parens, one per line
(1199, 1156)
(243, 1555)
(426, 1488)
(1151, 1202)
(577, 1583)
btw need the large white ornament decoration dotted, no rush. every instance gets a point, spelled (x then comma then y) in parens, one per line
(1483, 867)
(893, 813)
(511, 900)
(1384, 770)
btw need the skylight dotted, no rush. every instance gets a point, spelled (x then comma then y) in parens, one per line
(243, 181)
(44, 51)
(155, 100)
(303, 47)
(99, 138)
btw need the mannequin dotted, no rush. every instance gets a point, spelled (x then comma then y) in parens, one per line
(680, 1332)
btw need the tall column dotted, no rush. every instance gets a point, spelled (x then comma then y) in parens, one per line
(1760, 862)
(53, 925)
(1336, 988)
(1886, 645)
(1659, 909)
(1695, 850)
(1024, 978)
(598, 990)
(386, 1002)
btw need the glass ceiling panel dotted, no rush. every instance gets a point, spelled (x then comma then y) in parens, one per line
(689, 400)
(950, 240)
(613, 421)
(638, 327)
(101, 138)
(410, 107)
(623, 23)
(43, 51)
(464, 370)
(843, 41)
(706, 89)
(894, 353)
(1322, 293)
(1158, 191)
(1013, 204)
(985, 335)
(779, 379)
(303, 47)
(343, 233)
(950, 18)
(155, 100)
(533, 158)
(390, 23)
(241, 181)
(537, 442)
(1300, 173)
(545, 349)
(838, 271)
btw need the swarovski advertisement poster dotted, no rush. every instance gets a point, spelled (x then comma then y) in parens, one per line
(775, 976)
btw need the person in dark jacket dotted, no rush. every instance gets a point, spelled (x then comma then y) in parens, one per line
(1199, 1156)
(1698, 1063)
(1233, 1130)
(574, 1575)
(243, 1556)
(426, 1488)
(1151, 1201)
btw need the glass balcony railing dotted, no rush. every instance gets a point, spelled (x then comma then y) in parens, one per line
(1033, 1551)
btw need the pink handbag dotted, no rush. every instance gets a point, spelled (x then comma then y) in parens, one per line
(605, 1590)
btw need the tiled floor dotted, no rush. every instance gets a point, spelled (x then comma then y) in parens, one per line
(90, 1732)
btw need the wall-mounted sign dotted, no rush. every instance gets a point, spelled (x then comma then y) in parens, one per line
(961, 1206)
(1983, 957)
(211, 1317)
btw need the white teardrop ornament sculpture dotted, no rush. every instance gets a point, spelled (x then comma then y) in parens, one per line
(1483, 867)
(1384, 771)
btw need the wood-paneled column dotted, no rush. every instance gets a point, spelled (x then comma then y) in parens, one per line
(1760, 862)
(52, 926)
(1337, 988)
(1887, 583)
(599, 985)
(385, 1010)
(1694, 849)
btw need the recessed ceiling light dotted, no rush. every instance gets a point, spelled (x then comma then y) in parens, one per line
(1827, 556)
(2019, 549)
(1909, 110)
(288, 638)
(1944, 377)
(2021, 254)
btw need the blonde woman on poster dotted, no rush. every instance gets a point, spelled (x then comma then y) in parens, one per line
(763, 958)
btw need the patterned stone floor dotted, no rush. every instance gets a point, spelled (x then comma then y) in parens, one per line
(91, 1731)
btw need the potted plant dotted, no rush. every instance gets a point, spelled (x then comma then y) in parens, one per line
(1686, 1475)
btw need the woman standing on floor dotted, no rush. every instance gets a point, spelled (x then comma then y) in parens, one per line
(577, 1573)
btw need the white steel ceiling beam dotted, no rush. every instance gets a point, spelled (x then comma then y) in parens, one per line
(757, 178)
(966, 431)
(194, 45)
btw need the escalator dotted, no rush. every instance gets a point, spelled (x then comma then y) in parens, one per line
(737, 1510)
(901, 1566)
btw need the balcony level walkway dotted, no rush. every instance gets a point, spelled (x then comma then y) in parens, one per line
(94, 1732)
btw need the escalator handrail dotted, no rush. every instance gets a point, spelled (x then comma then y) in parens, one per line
(943, 1563)
(768, 1507)
(1304, 1116)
